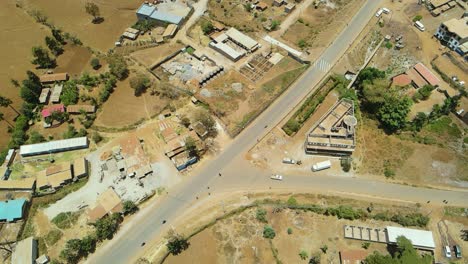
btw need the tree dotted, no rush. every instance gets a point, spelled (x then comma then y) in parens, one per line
(303, 254)
(69, 93)
(373, 94)
(107, 226)
(204, 117)
(72, 251)
(5, 102)
(129, 207)
(302, 43)
(268, 232)
(464, 234)
(191, 147)
(426, 91)
(393, 112)
(370, 74)
(139, 83)
(93, 10)
(35, 137)
(41, 58)
(176, 244)
(261, 215)
(324, 249)
(185, 121)
(57, 33)
(207, 27)
(54, 46)
(405, 253)
(274, 25)
(88, 244)
(97, 137)
(419, 121)
(95, 63)
(118, 66)
(31, 88)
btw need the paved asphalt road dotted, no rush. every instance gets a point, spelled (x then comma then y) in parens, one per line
(239, 175)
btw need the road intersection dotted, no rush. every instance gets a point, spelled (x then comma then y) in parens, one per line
(237, 174)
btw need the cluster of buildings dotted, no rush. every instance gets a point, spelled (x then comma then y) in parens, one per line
(334, 133)
(50, 97)
(233, 44)
(164, 12)
(54, 177)
(417, 76)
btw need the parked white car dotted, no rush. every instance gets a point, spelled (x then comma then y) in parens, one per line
(276, 177)
(447, 252)
(289, 161)
(379, 13)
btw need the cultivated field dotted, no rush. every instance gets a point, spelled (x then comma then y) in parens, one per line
(72, 18)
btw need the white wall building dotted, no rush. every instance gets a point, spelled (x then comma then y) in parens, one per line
(454, 34)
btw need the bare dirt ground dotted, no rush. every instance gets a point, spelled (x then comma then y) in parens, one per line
(22, 32)
(74, 61)
(72, 18)
(318, 27)
(150, 56)
(238, 239)
(236, 108)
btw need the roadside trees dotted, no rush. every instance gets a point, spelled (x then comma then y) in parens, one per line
(129, 207)
(176, 244)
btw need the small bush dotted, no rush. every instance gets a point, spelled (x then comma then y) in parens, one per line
(290, 231)
(269, 232)
(365, 245)
(303, 254)
(292, 201)
(324, 249)
(345, 164)
(53, 236)
(417, 18)
(388, 45)
(261, 215)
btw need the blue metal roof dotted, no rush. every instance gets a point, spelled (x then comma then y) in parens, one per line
(12, 209)
(158, 15)
(146, 10)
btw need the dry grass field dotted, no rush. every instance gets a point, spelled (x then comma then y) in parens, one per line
(72, 18)
(18, 33)
(316, 28)
(124, 108)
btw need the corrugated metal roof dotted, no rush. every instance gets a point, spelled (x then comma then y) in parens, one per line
(427, 74)
(146, 10)
(53, 146)
(232, 53)
(419, 238)
(167, 17)
(241, 38)
(12, 209)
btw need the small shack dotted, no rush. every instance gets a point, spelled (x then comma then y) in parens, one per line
(53, 77)
(12, 210)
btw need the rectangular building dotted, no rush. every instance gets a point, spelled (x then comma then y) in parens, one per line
(454, 34)
(44, 95)
(420, 239)
(166, 12)
(242, 40)
(170, 31)
(334, 133)
(54, 146)
(54, 77)
(27, 184)
(12, 210)
(56, 92)
(76, 109)
(80, 168)
(107, 203)
(25, 252)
